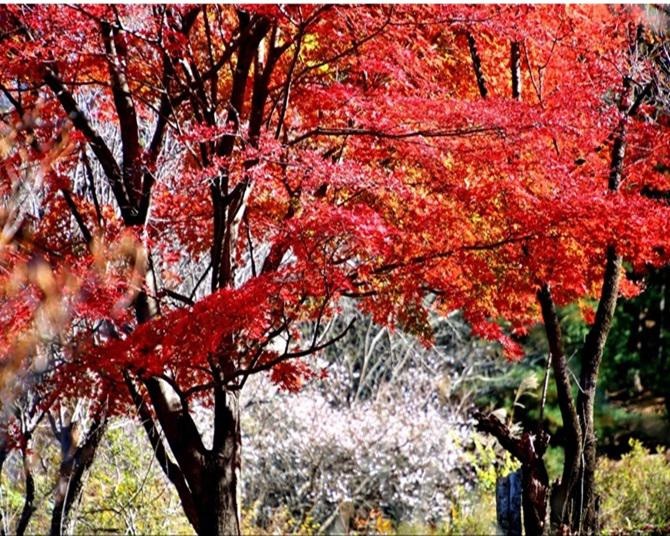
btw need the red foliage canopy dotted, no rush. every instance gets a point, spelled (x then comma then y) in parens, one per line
(291, 156)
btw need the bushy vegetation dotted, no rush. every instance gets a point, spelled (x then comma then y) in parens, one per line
(127, 493)
(359, 451)
(634, 489)
(385, 436)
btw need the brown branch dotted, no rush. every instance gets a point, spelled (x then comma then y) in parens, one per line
(422, 133)
(88, 237)
(287, 84)
(91, 184)
(125, 111)
(592, 350)
(179, 297)
(477, 66)
(421, 259)
(595, 339)
(571, 425)
(29, 495)
(163, 114)
(198, 389)
(180, 431)
(77, 460)
(594, 344)
(644, 94)
(262, 75)
(558, 358)
(355, 46)
(312, 349)
(490, 424)
(529, 449)
(210, 74)
(17, 105)
(221, 247)
(248, 47)
(99, 147)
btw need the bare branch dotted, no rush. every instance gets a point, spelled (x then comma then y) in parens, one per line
(422, 133)
(312, 349)
(88, 237)
(99, 147)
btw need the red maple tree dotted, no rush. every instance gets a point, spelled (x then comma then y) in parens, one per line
(188, 187)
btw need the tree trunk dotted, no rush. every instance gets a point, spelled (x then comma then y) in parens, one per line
(575, 499)
(29, 496)
(77, 460)
(218, 512)
(4, 452)
(529, 449)
(205, 478)
(217, 504)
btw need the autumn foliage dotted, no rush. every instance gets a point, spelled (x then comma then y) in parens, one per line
(190, 191)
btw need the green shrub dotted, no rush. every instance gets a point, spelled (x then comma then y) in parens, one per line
(634, 490)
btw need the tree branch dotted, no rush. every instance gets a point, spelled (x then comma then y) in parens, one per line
(477, 66)
(29, 495)
(422, 133)
(572, 444)
(125, 111)
(490, 424)
(91, 184)
(558, 359)
(180, 431)
(313, 348)
(88, 237)
(100, 149)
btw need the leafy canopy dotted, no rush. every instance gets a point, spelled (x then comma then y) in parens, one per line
(184, 187)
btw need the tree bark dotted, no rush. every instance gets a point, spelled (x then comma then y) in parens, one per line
(29, 496)
(206, 478)
(574, 502)
(477, 66)
(529, 449)
(562, 499)
(592, 353)
(4, 452)
(218, 506)
(515, 66)
(585, 518)
(77, 460)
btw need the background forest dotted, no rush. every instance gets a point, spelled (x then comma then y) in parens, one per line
(309, 269)
(385, 443)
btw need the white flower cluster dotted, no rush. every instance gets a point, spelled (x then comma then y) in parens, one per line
(378, 432)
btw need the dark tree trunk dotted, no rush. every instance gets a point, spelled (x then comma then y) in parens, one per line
(529, 449)
(574, 502)
(477, 66)
(205, 478)
(218, 513)
(218, 508)
(29, 500)
(77, 460)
